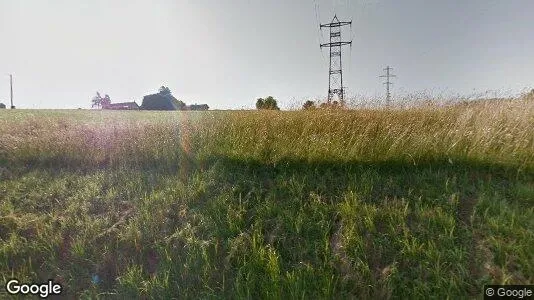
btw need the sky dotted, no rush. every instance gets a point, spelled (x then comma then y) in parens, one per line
(228, 53)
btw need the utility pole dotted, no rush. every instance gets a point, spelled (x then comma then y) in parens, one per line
(388, 83)
(11, 86)
(335, 72)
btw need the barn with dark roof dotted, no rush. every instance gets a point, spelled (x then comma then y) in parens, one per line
(161, 101)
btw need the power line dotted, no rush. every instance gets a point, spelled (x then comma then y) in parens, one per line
(388, 83)
(335, 72)
(351, 37)
(319, 31)
(318, 17)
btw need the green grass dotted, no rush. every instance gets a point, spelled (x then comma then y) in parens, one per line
(415, 203)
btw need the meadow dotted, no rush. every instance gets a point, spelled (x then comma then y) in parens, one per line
(414, 203)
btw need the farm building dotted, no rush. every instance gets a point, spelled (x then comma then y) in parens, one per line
(161, 101)
(197, 107)
(121, 106)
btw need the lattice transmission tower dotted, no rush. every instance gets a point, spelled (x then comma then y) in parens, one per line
(335, 72)
(388, 83)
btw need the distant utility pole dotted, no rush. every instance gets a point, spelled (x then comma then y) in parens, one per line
(335, 73)
(388, 83)
(11, 86)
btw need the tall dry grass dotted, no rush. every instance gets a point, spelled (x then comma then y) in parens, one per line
(497, 132)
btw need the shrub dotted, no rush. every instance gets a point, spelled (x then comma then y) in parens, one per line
(267, 103)
(308, 105)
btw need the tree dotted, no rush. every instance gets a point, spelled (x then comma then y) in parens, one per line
(166, 92)
(270, 103)
(180, 105)
(163, 90)
(97, 101)
(333, 105)
(308, 105)
(106, 101)
(260, 103)
(267, 103)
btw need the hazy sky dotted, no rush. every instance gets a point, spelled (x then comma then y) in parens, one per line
(228, 53)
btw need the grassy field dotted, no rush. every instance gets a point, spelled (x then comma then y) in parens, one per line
(405, 204)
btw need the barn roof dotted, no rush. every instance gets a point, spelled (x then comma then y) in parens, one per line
(159, 102)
